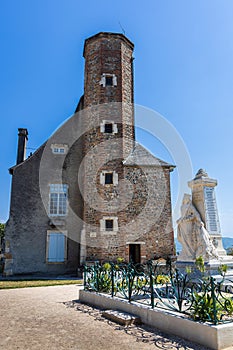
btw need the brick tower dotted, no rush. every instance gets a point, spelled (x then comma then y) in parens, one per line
(109, 81)
(116, 184)
(91, 192)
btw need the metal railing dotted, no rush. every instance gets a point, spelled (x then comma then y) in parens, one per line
(202, 298)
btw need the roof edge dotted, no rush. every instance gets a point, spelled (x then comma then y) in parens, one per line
(105, 35)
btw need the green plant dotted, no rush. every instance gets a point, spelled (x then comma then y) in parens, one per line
(140, 282)
(230, 251)
(200, 264)
(2, 231)
(104, 278)
(162, 279)
(223, 269)
(107, 266)
(120, 260)
(188, 269)
(104, 282)
(228, 305)
(205, 308)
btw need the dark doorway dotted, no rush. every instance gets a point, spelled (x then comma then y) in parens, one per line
(135, 253)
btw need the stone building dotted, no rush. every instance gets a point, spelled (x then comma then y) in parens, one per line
(91, 192)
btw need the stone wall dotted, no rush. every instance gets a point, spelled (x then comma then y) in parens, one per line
(144, 216)
(29, 222)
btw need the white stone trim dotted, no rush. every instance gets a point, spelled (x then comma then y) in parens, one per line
(135, 243)
(102, 177)
(114, 126)
(103, 224)
(103, 79)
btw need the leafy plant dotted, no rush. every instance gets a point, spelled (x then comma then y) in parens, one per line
(104, 281)
(188, 269)
(200, 264)
(107, 266)
(223, 269)
(204, 309)
(228, 305)
(120, 260)
(162, 279)
(2, 231)
(230, 251)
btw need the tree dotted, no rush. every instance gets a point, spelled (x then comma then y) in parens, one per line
(2, 231)
(230, 250)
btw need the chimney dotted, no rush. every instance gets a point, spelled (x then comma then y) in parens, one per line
(22, 140)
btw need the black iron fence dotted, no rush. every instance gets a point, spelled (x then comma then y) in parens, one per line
(202, 298)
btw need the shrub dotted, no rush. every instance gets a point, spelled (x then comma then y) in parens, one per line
(200, 264)
(107, 266)
(203, 308)
(162, 279)
(223, 269)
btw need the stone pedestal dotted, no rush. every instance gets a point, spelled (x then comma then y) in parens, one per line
(198, 228)
(211, 267)
(204, 200)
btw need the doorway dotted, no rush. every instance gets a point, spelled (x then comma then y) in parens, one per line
(135, 253)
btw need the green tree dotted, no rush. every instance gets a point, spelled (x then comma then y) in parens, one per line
(230, 250)
(200, 264)
(2, 231)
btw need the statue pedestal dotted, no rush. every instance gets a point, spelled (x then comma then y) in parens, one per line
(198, 229)
(211, 267)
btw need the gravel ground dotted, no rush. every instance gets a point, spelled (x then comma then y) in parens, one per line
(51, 318)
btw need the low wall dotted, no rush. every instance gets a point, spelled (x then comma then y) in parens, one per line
(215, 337)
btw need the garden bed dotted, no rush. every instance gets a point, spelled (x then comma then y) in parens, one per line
(216, 337)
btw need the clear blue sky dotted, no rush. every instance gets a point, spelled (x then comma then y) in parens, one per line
(183, 70)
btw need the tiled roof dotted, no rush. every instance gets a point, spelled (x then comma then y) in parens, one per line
(141, 156)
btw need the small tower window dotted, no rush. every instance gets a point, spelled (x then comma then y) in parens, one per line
(109, 225)
(108, 81)
(59, 148)
(108, 178)
(108, 128)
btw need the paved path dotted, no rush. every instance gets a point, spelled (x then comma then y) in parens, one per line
(37, 318)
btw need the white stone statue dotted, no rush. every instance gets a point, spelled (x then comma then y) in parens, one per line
(192, 234)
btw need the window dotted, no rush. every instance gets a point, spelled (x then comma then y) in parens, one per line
(108, 80)
(59, 149)
(56, 247)
(108, 127)
(58, 200)
(108, 178)
(109, 224)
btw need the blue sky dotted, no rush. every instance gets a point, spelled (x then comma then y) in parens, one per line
(183, 70)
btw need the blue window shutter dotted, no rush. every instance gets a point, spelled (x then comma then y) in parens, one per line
(56, 250)
(60, 247)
